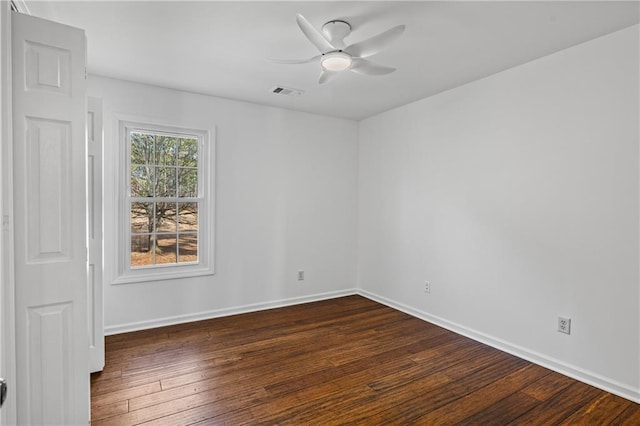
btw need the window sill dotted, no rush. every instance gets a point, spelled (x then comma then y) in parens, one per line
(146, 275)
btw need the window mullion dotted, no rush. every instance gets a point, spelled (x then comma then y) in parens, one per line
(154, 236)
(166, 199)
(177, 219)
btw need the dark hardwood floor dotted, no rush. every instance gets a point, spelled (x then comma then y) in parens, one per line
(341, 361)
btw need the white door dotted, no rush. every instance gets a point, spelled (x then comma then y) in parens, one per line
(49, 145)
(94, 176)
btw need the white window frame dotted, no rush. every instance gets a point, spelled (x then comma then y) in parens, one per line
(206, 220)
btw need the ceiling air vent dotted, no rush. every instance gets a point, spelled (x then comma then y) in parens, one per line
(287, 91)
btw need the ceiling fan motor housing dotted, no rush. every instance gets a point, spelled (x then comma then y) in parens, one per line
(336, 31)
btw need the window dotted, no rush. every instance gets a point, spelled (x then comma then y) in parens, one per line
(166, 207)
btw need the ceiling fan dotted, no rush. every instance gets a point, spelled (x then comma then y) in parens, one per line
(335, 57)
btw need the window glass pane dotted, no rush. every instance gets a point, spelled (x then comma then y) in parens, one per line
(187, 152)
(187, 182)
(187, 217)
(142, 145)
(164, 169)
(188, 248)
(141, 218)
(166, 251)
(142, 181)
(166, 217)
(141, 250)
(166, 147)
(166, 182)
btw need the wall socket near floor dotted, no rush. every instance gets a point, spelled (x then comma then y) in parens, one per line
(300, 275)
(564, 325)
(427, 286)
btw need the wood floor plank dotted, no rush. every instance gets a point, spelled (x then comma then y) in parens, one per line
(123, 395)
(219, 396)
(101, 412)
(502, 412)
(357, 380)
(411, 409)
(600, 411)
(629, 417)
(475, 402)
(120, 384)
(366, 408)
(560, 406)
(341, 361)
(249, 368)
(547, 386)
(402, 404)
(233, 380)
(102, 376)
(312, 379)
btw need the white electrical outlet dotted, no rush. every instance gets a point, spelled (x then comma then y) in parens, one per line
(427, 287)
(300, 275)
(564, 325)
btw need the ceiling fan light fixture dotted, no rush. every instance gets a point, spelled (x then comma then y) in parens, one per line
(336, 61)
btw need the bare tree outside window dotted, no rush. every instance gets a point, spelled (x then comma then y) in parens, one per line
(163, 198)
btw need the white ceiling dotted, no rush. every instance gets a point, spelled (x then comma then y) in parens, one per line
(220, 48)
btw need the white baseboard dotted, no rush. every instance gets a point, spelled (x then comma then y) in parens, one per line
(217, 313)
(561, 367)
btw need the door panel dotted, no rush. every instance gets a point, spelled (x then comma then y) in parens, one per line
(48, 184)
(49, 146)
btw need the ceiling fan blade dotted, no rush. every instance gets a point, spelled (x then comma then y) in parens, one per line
(364, 66)
(374, 44)
(314, 35)
(294, 61)
(326, 75)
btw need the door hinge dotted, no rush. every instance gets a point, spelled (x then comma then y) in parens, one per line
(3, 391)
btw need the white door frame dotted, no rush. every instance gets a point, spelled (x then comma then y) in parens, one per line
(8, 413)
(7, 331)
(95, 140)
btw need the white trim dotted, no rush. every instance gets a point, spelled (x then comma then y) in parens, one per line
(156, 274)
(95, 207)
(225, 312)
(8, 413)
(561, 367)
(21, 6)
(207, 174)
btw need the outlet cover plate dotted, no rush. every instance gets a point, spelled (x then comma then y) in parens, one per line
(564, 325)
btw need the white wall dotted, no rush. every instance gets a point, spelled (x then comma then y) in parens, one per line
(517, 197)
(286, 200)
